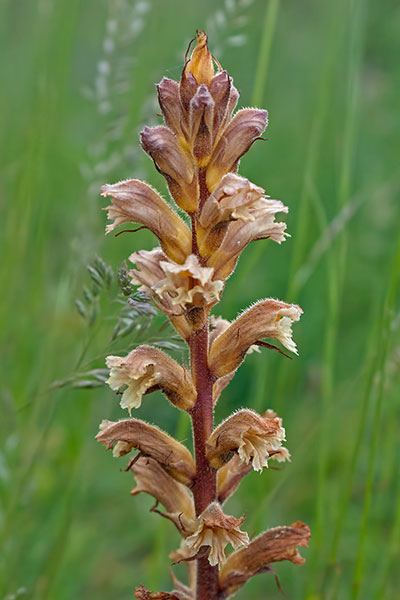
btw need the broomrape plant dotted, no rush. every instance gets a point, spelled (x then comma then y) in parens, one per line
(198, 152)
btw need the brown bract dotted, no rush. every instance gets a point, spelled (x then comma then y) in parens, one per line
(142, 594)
(274, 545)
(136, 202)
(266, 319)
(152, 442)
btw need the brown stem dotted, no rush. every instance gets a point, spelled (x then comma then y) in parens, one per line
(205, 485)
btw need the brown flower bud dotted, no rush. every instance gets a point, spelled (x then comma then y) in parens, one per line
(170, 104)
(247, 125)
(152, 442)
(200, 63)
(216, 530)
(266, 319)
(152, 479)
(274, 545)
(201, 118)
(225, 97)
(176, 164)
(147, 368)
(135, 201)
(248, 434)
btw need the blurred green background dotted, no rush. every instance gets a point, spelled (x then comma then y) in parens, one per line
(77, 85)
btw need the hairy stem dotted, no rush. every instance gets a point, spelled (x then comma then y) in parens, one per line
(205, 485)
(204, 489)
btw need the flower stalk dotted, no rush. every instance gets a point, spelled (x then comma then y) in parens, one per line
(198, 151)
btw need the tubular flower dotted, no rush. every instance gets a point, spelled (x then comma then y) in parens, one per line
(152, 479)
(189, 283)
(240, 233)
(136, 202)
(147, 368)
(147, 275)
(150, 441)
(252, 436)
(266, 319)
(216, 530)
(274, 545)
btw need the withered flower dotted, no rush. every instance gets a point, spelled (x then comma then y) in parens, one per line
(216, 530)
(265, 319)
(274, 545)
(249, 434)
(152, 479)
(131, 434)
(147, 368)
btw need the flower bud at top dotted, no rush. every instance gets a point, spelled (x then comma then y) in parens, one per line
(201, 62)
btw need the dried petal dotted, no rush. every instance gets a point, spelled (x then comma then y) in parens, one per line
(216, 530)
(249, 434)
(145, 368)
(221, 90)
(152, 442)
(274, 545)
(200, 63)
(152, 479)
(142, 594)
(175, 163)
(247, 125)
(135, 201)
(267, 318)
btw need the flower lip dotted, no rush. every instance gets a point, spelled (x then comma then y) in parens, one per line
(216, 530)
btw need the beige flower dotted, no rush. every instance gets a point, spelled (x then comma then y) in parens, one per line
(241, 232)
(265, 319)
(274, 545)
(137, 202)
(150, 441)
(189, 283)
(216, 530)
(147, 368)
(251, 435)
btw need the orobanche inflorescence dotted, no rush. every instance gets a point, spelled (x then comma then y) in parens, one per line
(198, 152)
